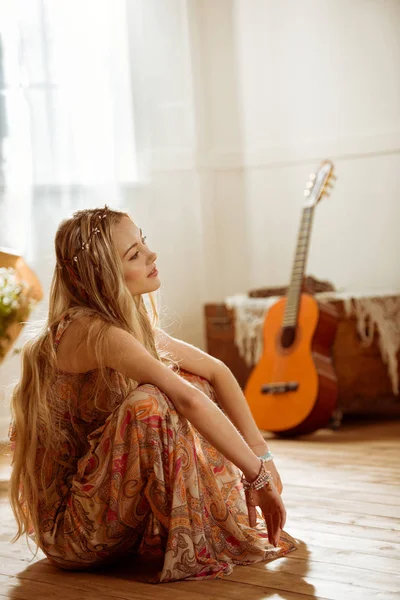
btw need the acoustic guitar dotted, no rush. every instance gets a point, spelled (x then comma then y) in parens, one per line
(293, 388)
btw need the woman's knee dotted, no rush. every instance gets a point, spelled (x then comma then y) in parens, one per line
(148, 399)
(202, 384)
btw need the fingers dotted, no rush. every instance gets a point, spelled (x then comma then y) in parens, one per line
(270, 528)
(251, 509)
(283, 517)
(274, 514)
(274, 527)
(278, 528)
(252, 515)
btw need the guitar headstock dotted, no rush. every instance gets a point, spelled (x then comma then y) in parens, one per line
(318, 183)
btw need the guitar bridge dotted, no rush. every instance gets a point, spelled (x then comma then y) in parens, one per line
(280, 388)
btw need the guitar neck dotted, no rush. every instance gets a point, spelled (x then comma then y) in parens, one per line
(298, 269)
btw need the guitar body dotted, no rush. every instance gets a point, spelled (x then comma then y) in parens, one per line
(306, 363)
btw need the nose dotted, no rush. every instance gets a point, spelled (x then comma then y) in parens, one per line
(152, 257)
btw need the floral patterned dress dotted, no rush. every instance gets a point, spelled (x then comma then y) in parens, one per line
(139, 479)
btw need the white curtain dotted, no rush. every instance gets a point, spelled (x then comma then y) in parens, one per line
(67, 110)
(67, 131)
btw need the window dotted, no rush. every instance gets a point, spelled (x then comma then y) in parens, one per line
(66, 106)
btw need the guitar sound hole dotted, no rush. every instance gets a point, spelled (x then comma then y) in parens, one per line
(288, 336)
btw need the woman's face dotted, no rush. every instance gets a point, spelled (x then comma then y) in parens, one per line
(137, 259)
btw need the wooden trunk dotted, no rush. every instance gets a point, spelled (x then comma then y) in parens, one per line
(363, 380)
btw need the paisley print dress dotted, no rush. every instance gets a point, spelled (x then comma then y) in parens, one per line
(136, 479)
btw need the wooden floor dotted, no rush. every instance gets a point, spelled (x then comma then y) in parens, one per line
(342, 495)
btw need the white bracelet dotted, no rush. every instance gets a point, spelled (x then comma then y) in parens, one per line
(267, 457)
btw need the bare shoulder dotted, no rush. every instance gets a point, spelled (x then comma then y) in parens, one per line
(74, 353)
(124, 353)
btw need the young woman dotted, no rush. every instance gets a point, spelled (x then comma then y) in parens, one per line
(125, 440)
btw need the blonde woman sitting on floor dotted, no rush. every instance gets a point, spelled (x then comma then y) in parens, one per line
(125, 440)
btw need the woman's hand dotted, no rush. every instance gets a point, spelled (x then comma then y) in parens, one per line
(270, 466)
(270, 502)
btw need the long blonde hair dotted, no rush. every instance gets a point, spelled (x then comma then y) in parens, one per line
(91, 285)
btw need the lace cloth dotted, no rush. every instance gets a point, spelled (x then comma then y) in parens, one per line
(373, 313)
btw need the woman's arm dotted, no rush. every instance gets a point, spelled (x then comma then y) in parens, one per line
(228, 391)
(234, 403)
(188, 357)
(126, 355)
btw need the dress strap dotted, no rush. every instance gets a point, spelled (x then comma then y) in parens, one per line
(61, 327)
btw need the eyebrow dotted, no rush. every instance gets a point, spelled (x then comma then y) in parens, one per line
(133, 245)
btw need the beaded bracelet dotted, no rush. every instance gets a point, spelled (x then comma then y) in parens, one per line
(264, 477)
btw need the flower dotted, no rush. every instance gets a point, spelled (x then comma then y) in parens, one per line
(15, 305)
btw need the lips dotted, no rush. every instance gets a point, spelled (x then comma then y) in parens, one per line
(153, 272)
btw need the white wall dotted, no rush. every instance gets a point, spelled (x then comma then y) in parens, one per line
(310, 80)
(269, 90)
(236, 101)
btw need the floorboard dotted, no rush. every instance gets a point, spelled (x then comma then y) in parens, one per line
(342, 495)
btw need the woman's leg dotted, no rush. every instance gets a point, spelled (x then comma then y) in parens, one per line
(151, 483)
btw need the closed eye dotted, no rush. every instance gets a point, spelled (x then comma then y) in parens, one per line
(136, 255)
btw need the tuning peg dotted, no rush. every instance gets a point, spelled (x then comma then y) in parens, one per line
(306, 193)
(333, 176)
(312, 177)
(309, 185)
